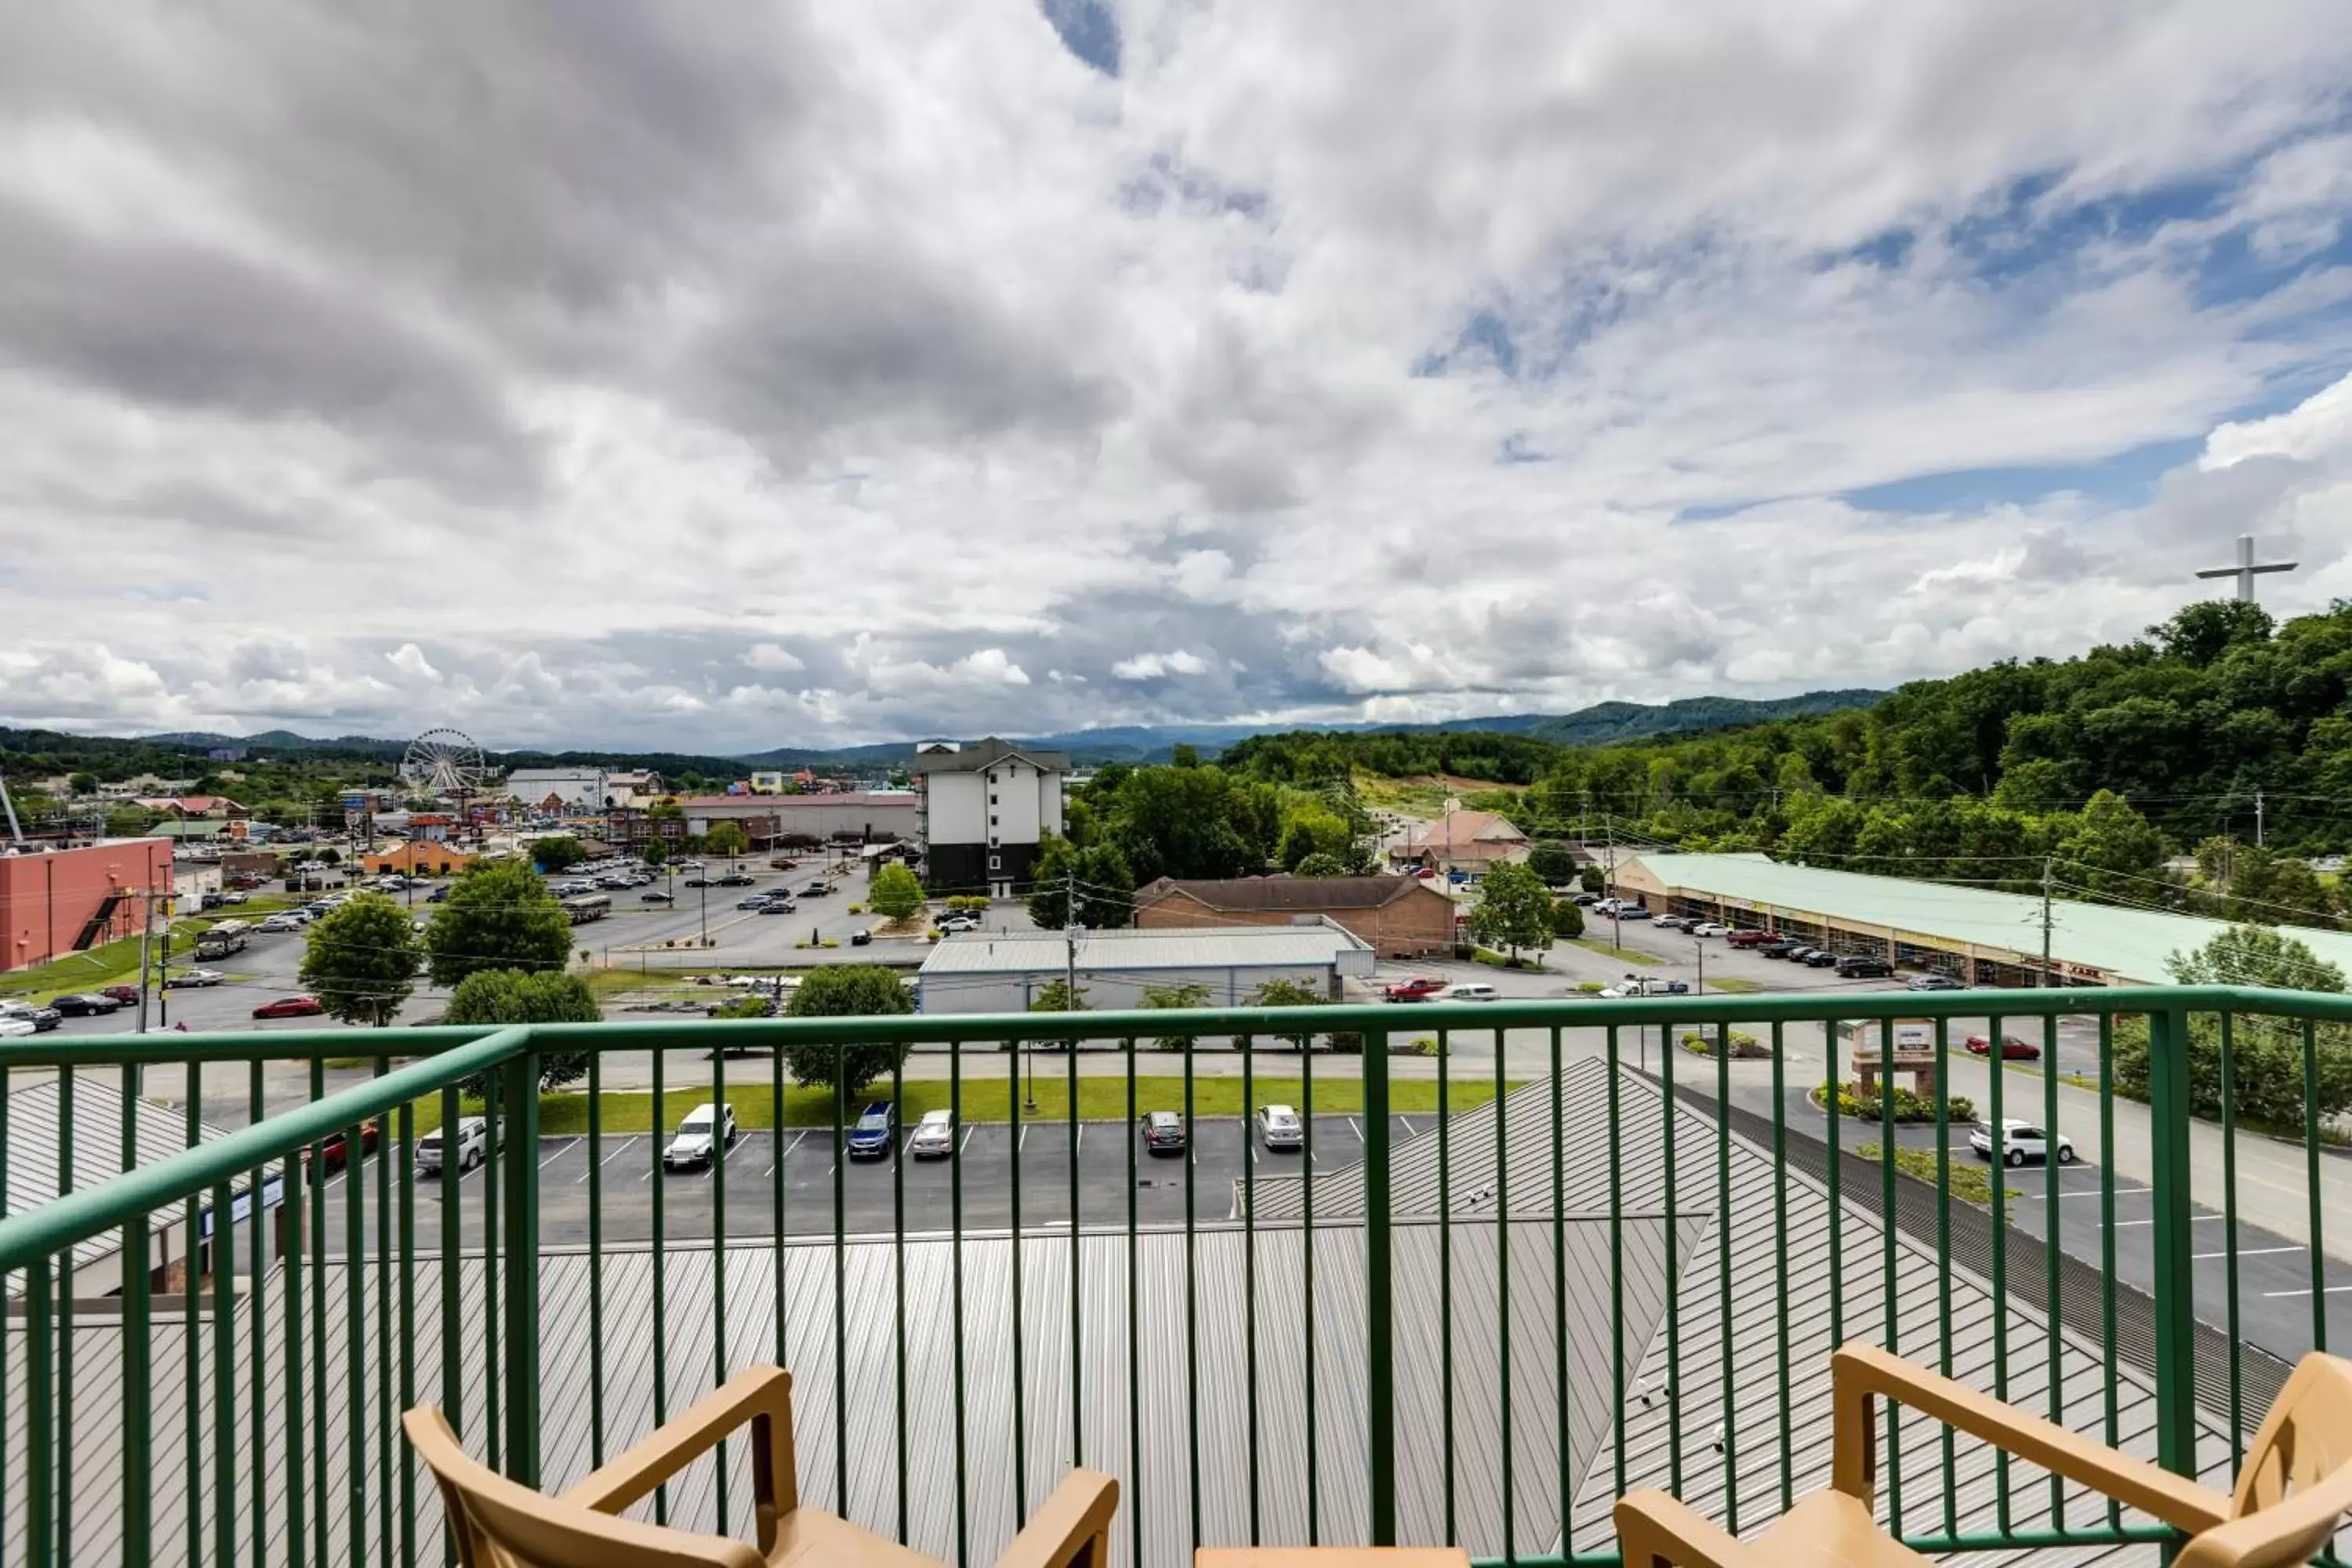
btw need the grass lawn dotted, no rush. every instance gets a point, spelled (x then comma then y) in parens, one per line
(1595, 944)
(1968, 1181)
(117, 962)
(1736, 986)
(984, 1099)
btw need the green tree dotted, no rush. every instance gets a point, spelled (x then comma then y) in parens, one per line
(525, 996)
(1173, 998)
(83, 784)
(1553, 862)
(2111, 848)
(331, 857)
(360, 961)
(654, 853)
(1320, 864)
(559, 854)
(2266, 1054)
(1105, 887)
(726, 838)
(1594, 879)
(895, 894)
(845, 991)
(1514, 909)
(1567, 919)
(1058, 996)
(498, 915)
(1286, 993)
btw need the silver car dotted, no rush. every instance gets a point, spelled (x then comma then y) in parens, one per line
(472, 1144)
(934, 1137)
(1278, 1127)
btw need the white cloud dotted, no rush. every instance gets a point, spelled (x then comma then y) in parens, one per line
(1153, 665)
(410, 660)
(773, 657)
(1502, 361)
(2319, 425)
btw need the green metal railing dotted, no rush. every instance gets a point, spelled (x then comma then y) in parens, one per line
(1501, 1293)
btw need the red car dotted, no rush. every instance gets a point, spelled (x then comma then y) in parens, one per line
(1418, 989)
(290, 1007)
(126, 994)
(2012, 1047)
(1748, 938)
(335, 1154)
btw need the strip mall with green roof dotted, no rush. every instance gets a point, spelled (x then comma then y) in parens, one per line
(1983, 937)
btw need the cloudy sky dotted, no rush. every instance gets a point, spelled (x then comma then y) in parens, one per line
(729, 375)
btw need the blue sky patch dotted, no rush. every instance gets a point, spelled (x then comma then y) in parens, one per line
(2127, 478)
(1088, 30)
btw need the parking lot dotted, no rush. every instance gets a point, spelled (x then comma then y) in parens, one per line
(628, 1180)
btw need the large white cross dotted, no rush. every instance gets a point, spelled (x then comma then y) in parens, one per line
(2245, 571)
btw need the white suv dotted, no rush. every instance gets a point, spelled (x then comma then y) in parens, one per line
(1280, 1128)
(2022, 1141)
(473, 1145)
(1469, 991)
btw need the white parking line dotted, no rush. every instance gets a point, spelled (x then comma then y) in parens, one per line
(618, 1152)
(2245, 1252)
(559, 1154)
(1022, 1147)
(1356, 1130)
(1410, 1131)
(787, 1154)
(968, 1133)
(1079, 1139)
(2330, 1291)
(2193, 1219)
(2084, 1192)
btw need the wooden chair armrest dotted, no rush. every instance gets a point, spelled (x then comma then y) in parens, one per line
(1654, 1529)
(761, 1396)
(1074, 1526)
(1859, 1371)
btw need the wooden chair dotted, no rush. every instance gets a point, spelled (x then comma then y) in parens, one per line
(2294, 1492)
(501, 1524)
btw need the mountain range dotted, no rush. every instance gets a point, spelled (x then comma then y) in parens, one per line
(1600, 724)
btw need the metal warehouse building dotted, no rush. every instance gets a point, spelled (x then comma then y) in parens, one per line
(1983, 937)
(982, 972)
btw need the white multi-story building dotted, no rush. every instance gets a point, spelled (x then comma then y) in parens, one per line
(986, 809)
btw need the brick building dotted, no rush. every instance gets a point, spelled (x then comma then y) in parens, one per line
(1397, 917)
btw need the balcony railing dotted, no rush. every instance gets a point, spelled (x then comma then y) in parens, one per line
(1495, 1285)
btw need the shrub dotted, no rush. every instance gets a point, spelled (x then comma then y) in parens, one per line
(1426, 1045)
(1589, 987)
(1744, 1046)
(1346, 1044)
(1908, 1107)
(857, 909)
(1969, 1182)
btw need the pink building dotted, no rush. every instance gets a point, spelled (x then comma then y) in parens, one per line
(61, 900)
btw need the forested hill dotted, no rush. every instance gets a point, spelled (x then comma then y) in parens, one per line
(1978, 777)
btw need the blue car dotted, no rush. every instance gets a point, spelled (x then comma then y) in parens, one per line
(876, 1131)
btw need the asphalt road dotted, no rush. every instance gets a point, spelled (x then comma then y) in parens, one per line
(628, 1178)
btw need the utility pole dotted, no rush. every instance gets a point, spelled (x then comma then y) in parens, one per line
(1700, 944)
(2258, 819)
(146, 939)
(1616, 920)
(2046, 864)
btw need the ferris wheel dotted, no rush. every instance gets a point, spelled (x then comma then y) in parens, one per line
(445, 762)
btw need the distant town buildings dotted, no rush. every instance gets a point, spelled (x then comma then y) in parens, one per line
(1466, 841)
(1397, 917)
(59, 901)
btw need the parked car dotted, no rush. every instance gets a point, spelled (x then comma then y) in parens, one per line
(1748, 937)
(335, 1152)
(233, 897)
(817, 891)
(1584, 899)
(875, 1131)
(779, 906)
(953, 923)
(2020, 1141)
(126, 994)
(1420, 988)
(437, 896)
(1633, 912)
(84, 1005)
(1163, 1133)
(1278, 1127)
(757, 901)
(656, 897)
(861, 937)
(1819, 959)
(193, 977)
(1780, 948)
(1469, 991)
(1676, 922)
(473, 1140)
(2012, 1047)
(736, 879)
(1709, 928)
(934, 1137)
(290, 1007)
(697, 880)
(1934, 983)
(42, 1018)
(281, 924)
(12, 1028)
(1863, 967)
(694, 1144)
(1637, 985)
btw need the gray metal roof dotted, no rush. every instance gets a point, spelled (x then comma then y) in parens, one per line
(36, 1143)
(1778, 1282)
(1153, 1320)
(1318, 945)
